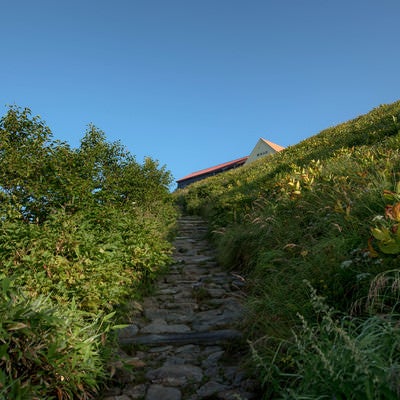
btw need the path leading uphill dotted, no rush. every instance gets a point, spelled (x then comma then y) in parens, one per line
(184, 343)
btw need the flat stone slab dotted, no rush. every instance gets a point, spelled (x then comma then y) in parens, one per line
(176, 375)
(201, 259)
(161, 326)
(168, 291)
(158, 392)
(213, 337)
(215, 319)
(211, 388)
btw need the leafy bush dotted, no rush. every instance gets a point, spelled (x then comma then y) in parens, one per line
(75, 257)
(81, 228)
(48, 351)
(89, 224)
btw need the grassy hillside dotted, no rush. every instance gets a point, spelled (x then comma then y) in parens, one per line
(315, 230)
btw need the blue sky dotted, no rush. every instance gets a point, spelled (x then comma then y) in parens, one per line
(197, 83)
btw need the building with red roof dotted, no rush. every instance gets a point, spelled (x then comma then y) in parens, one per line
(205, 173)
(263, 148)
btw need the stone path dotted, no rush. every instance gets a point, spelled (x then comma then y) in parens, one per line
(184, 343)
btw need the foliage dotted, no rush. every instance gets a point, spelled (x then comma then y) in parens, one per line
(87, 224)
(39, 175)
(48, 351)
(387, 235)
(339, 357)
(96, 259)
(311, 212)
(384, 293)
(83, 228)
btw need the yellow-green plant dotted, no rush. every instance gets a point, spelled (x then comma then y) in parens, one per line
(387, 234)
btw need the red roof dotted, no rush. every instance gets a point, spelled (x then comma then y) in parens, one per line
(214, 169)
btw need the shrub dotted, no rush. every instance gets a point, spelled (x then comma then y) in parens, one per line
(81, 230)
(96, 258)
(48, 351)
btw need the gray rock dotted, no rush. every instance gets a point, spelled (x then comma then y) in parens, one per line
(122, 397)
(161, 349)
(216, 293)
(213, 359)
(155, 313)
(213, 337)
(160, 326)
(159, 392)
(210, 389)
(135, 392)
(187, 306)
(179, 318)
(168, 291)
(201, 259)
(174, 360)
(211, 320)
(176, 375)
(189, 348)
(213, 372)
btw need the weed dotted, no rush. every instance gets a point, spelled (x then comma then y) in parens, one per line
(306, 213)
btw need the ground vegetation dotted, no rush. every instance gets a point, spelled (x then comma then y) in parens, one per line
(82, 231)
(315, 230)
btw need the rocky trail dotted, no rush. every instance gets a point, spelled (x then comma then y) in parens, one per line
(184, 342)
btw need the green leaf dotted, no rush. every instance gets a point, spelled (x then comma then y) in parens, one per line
(390, 247)
(381, 234)
(398, 187)
(108, 316)
(116, 327)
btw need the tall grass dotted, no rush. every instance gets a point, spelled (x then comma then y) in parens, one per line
(338, 358)
(49, 351)
(312, 213)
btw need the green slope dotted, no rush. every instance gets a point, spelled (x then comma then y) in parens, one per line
(320, 215)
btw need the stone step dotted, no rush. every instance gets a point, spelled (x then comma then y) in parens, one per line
(183, 338)
(209, 338)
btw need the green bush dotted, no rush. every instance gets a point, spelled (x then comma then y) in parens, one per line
(48, 351)
(74, 257)
(89, 224)
(83, 228)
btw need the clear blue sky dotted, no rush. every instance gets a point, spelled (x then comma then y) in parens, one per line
(197, 83)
